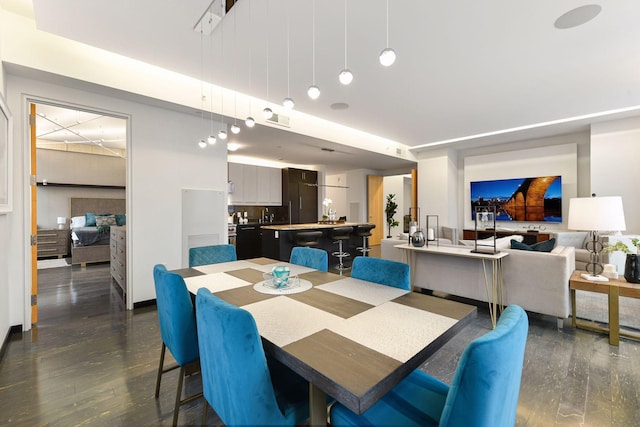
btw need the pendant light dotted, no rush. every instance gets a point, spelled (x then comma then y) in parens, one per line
(211, 140)
(267, 113)
(313, 91)
(345, 76)
(222, 134)
(288, 102)
(235, 129)
(250, 121)
(388, 55)
(202, 143)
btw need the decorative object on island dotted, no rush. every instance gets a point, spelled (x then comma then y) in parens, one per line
(631, 265)
(390, 210)
(62, 222)
(432, 232)
(595, 214)
(485, 221)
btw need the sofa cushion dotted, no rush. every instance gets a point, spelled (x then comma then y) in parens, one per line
(545, 246)
(501, 243)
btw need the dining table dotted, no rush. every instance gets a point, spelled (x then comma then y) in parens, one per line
(351, 339)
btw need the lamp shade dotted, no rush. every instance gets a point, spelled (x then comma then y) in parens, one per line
(596, 214)
(62, 220)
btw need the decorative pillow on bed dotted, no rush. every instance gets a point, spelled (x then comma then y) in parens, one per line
(90, 218)
(121, 219)
(78, 221)
(104, 222)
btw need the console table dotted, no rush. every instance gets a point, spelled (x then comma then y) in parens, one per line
(493, 285)
(529, 237)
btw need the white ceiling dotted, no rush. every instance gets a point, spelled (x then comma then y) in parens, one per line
(464, 68)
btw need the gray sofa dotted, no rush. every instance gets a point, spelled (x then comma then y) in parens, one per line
(537, 281)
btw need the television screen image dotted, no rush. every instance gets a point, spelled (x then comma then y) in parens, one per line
(520, 199)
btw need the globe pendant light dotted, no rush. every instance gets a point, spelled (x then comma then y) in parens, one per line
(250, 122)
(313, 91)
(222, 134)
(267, 113)
(235, 129)
(388, 55)
(211, 139)
(345, 76)
(202, 144)
(288, 102)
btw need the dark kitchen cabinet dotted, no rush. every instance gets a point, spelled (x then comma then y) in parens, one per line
(248, 241)
(300, 192)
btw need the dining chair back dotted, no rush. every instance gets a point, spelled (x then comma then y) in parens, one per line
(213, 254)
(382, 271)
(177, 329)
(484, 391)
(236, 377)
(310, 257)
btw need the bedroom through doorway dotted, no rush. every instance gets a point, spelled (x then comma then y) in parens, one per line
(77, 154)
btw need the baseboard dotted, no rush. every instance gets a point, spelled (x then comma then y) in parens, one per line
(142, 304)
(5, 342)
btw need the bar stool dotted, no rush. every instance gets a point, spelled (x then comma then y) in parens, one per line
(364, 231)
(307, 238)
(340, 234)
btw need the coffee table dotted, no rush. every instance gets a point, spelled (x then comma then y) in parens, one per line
(614, 289)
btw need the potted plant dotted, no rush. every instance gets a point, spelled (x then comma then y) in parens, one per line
(632, 264)
(391, 209)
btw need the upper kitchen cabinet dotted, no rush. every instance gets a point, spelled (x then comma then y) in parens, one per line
(255, 185)
(300, 190)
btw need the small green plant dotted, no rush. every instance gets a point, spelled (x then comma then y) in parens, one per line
(391, 209)
(622, 247)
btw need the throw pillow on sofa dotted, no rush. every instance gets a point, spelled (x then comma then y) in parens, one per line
(546, 246)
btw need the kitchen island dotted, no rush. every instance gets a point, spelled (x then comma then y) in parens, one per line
(278, 240)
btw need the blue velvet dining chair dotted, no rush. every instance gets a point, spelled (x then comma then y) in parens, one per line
(238, 382)
(310, 257)
(213, 254)
(177, 329)
(484, 391)
(382, 271)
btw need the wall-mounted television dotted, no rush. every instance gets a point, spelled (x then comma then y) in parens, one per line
(536, 199)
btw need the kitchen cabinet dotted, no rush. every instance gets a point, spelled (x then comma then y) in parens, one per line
(248, 241)
(300, 192)
(255, 185)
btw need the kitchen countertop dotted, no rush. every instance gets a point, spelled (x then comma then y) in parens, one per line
(309, 226)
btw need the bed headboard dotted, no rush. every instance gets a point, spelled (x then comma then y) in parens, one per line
(82, 205)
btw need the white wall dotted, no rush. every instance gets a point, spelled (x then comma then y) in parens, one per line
(544, 161)
(337, 194)
(438, 187)
(395, 185)
(615, 165)
(163, 158)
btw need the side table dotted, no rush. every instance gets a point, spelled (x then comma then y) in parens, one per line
(614, 288)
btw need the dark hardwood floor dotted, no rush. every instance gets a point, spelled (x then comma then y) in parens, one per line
(90, 362)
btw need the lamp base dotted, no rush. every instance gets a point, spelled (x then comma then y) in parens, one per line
(594, 278)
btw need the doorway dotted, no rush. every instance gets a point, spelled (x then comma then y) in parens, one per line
(74, 152)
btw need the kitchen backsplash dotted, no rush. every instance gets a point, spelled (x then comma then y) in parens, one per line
(267, 214)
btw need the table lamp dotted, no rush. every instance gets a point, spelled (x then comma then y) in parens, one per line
(62, 222)
(595, 214)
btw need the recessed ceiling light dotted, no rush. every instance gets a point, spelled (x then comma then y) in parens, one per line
(339, 106)
(578, 16)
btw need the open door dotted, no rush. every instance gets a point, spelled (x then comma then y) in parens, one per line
(374, 208)
(34, 215)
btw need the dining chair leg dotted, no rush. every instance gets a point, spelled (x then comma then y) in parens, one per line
(160, 367)
(178, 396)
(205, 406)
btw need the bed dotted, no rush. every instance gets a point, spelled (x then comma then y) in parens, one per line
(90, 243)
